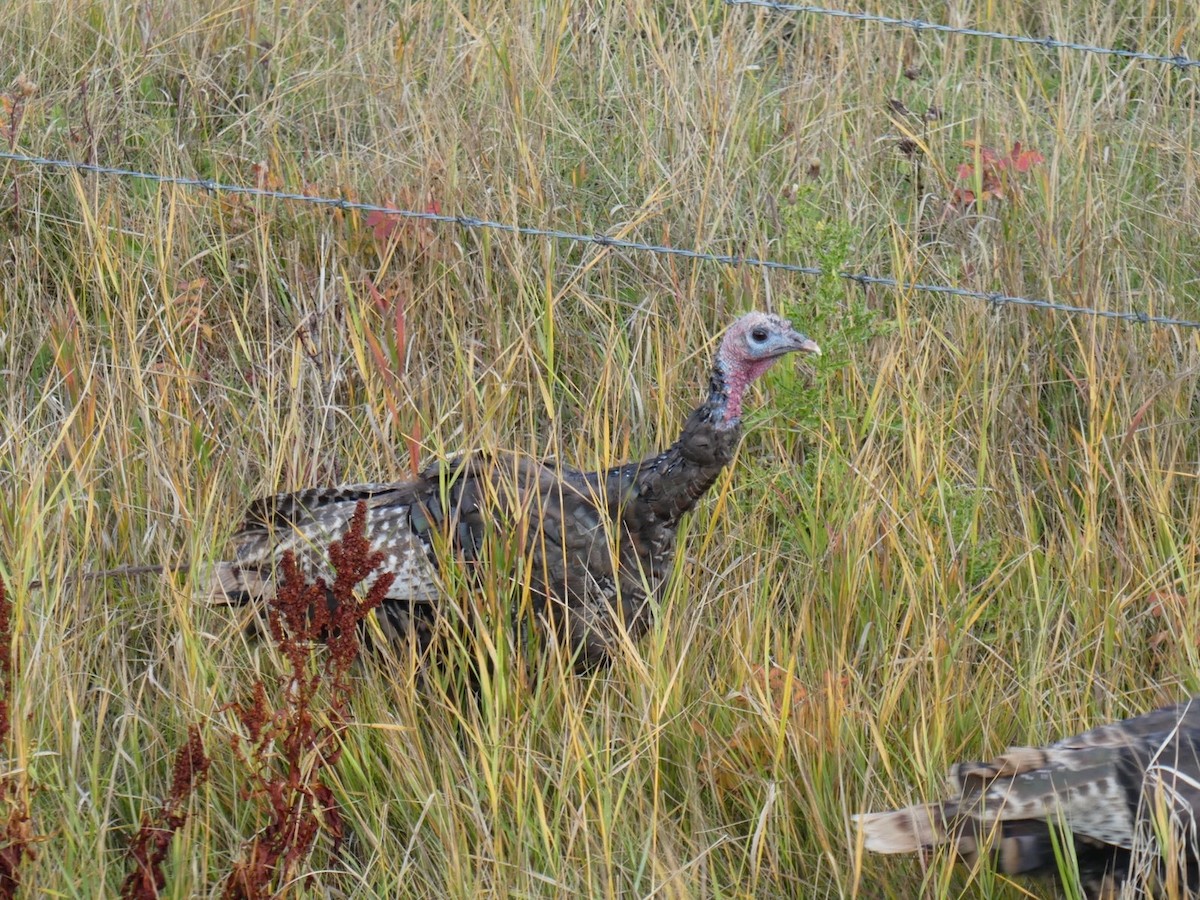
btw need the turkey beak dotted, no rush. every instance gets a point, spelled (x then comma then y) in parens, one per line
(807, 345)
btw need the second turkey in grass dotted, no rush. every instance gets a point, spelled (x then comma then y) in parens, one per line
(1112, 811)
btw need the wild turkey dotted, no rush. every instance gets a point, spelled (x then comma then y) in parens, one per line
(1126, 793)
(596, 546)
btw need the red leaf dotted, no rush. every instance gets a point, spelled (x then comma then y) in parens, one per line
(413, 443)
(377, 296)
(381, 224)
(381, 359)
(1024, 161)
(990, 157)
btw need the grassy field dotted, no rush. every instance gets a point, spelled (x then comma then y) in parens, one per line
(962, 528)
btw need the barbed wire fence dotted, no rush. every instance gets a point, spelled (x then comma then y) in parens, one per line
(994, 298)
(1048, 43)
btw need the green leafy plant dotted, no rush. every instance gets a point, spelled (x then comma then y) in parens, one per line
(834, 311)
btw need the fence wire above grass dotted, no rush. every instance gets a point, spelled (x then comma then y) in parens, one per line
(1048, 43)
(993, 298)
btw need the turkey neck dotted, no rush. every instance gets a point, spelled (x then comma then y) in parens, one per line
(668, 485)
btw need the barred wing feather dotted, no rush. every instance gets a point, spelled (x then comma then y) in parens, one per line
(1105, 786)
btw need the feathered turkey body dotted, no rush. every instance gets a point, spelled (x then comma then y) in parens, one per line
(598, 545)
(1113, 789)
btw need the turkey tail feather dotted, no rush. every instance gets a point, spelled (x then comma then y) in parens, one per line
(903, 830)
(1015, 847)
(231, 585)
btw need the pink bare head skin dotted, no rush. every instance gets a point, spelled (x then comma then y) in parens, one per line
(751, 346)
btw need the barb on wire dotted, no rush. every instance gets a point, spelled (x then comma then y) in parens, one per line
(1048, 43)
(601, 240)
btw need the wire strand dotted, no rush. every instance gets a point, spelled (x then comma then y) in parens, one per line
(1048, 43)
(993, 298)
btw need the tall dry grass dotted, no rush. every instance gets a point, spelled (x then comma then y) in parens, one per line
(977, 528)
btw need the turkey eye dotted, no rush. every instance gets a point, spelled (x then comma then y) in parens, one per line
(759, 335)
